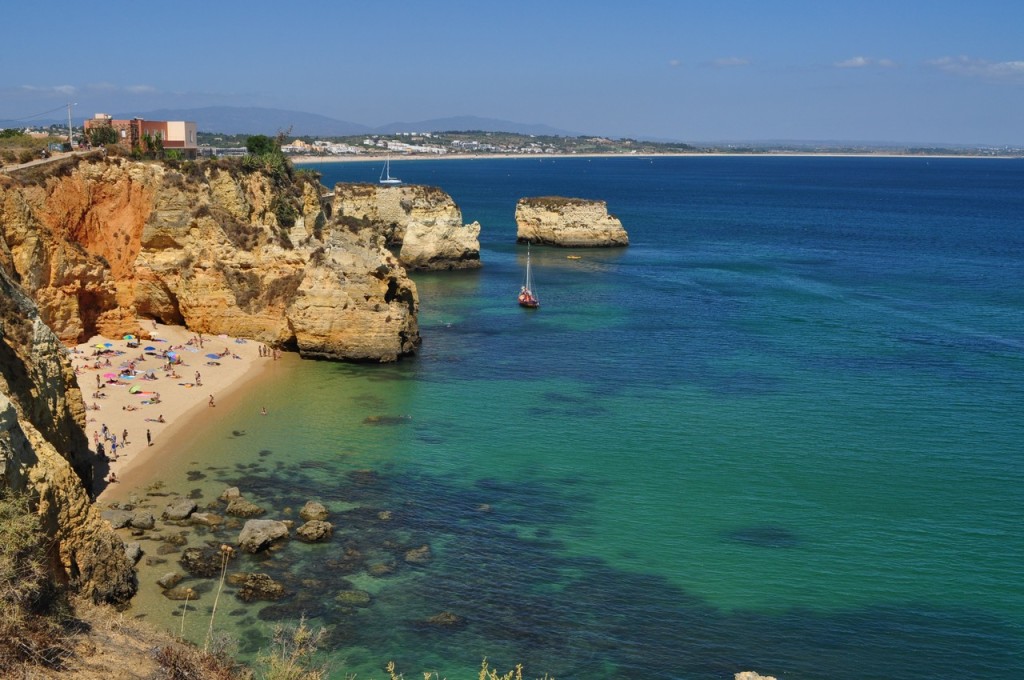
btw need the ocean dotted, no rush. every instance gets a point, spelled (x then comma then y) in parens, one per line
(781, 431)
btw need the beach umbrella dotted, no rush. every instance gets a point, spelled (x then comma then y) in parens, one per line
(129, 337)
(172, 355)
(108, 344)
(150, 348)
(134, 389)
(111, 376)
(98, 346)
(213, 356)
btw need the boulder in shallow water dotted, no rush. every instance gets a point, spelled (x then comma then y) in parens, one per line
(133, 551)
(169, 580)
(142, 519)
(259, 534)
(230, 493)
(117, 518)
(239, 507)
(204, 562)
(315, 531)
(313, 510)
(259, 587)
(180, 509)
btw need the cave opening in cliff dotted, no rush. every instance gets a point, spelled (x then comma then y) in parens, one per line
(90, 306)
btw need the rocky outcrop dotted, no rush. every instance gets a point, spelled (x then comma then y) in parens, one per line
(43, 451)
(259, 534)
(424, 222)
(209, 247)
(568, 222)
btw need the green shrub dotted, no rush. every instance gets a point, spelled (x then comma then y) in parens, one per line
(293, 654)
(34, 614)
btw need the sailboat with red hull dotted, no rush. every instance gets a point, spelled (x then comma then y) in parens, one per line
(527, 295)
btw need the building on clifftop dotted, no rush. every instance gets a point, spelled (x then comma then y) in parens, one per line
(179, 135)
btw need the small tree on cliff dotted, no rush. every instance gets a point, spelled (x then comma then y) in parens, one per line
(258, 145)
(102, 135)
(265, 155)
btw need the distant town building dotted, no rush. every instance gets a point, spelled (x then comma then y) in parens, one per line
(174, 134)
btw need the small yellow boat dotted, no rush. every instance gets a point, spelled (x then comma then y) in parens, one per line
(574, 257)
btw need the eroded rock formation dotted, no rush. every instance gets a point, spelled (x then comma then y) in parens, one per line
(568, 222)
(209, 247)
(423, 221)
(43, 450)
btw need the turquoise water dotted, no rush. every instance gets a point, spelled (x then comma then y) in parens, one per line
(781, 431)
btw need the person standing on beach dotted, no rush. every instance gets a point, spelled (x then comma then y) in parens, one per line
(199, 380)
(211, 401)
(149, 438)
(124, 438)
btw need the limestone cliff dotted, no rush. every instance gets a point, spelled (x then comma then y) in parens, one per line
(43, 450)
(208, 246)
(423, 221)
(568, 222)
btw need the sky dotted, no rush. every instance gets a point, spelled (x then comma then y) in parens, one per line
(897, 71)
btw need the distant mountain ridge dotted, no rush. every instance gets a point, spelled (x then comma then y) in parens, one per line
(233, 120)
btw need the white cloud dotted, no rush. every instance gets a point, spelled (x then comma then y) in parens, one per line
(674, 63)
(729, 62)
(51, 89)
(980, 68)
(141, 89)
(865, 62)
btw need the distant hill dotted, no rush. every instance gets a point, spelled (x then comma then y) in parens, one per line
(234, 120)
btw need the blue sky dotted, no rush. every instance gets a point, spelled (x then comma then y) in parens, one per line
(897, 71)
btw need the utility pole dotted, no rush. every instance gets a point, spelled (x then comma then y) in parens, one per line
(70, 143)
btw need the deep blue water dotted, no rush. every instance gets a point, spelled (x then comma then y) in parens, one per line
(781, 431)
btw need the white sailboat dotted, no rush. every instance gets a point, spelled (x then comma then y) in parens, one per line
(385, 174)
(527, 296)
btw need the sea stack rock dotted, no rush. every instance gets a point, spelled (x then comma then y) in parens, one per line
(423, 222)
(568, 222)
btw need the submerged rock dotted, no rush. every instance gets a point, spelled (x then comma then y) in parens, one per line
(420, 555)
(181, 594)
(205, 562)
(208, 519)
(446, 620)
(353, 598)
(313, 510)
(259, 587)
(315, 531)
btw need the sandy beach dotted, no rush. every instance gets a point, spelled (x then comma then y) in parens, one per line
(154, 386)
